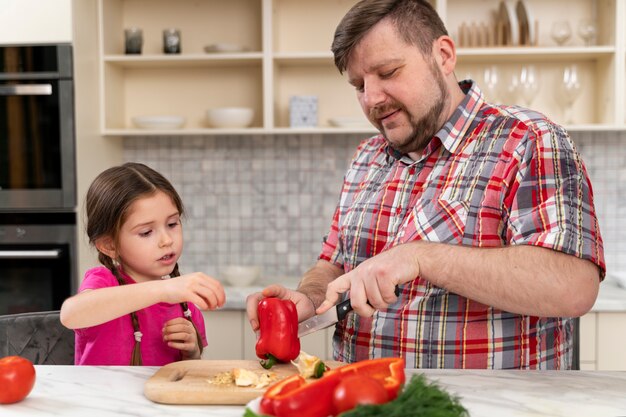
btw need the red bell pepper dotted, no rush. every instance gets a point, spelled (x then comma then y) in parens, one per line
(388, 371)
(278, 331)
(294, 396)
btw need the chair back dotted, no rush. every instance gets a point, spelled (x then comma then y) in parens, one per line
(39, 337)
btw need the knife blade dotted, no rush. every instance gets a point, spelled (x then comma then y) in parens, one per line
(329, 317)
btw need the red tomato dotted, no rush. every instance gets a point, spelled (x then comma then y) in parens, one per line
(17, 378)
(358, 389)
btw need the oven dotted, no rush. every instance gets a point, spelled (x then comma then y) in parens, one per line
(37, 261)
(37, 147)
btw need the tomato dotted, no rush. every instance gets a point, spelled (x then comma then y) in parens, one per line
(358, 389)
(17, 378)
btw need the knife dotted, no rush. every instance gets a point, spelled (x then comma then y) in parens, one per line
(328, 318)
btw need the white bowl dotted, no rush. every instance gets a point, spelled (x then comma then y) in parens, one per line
(158, 122)
(229, 117)
(241, 276)
(618, 277)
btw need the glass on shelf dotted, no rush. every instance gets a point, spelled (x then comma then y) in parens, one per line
(561, 32)
(569, 90)
(587, 31)
(491, 79)
(528, 84)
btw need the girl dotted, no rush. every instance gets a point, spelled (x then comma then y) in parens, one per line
(127, 312)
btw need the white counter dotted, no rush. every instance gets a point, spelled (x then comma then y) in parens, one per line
(118, 391)
(610, 298)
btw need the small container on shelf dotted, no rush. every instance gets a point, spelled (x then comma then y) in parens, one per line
(171, 41)
(303, 111)
(133, 40)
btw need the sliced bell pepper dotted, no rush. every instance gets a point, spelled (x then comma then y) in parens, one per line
(278, 331)
(388, 371)
(294, 396)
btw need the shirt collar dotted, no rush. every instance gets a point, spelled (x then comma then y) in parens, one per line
(453, 129)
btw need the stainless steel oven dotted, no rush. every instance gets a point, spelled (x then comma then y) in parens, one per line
(37, 261)
(37, 146)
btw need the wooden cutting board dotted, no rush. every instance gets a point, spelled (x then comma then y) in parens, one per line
(187, 382)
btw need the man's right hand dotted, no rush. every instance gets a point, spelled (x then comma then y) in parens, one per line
(304, 305)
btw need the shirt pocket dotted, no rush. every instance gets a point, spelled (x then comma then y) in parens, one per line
(436, 221)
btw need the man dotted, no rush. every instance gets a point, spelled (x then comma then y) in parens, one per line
(482, 214)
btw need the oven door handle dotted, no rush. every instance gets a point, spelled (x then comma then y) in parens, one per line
(30, 254)
(26, 90)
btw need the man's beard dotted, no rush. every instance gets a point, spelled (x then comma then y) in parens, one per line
(425, 128)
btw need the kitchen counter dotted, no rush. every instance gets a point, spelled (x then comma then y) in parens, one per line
(113, 391)
(610, 298)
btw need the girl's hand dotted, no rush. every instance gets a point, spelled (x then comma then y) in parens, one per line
(180, 334)
(205, 292)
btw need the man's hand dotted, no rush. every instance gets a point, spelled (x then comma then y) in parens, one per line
(304, 306)
(374, 280)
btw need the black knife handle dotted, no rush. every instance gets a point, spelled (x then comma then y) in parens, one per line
(344, 307)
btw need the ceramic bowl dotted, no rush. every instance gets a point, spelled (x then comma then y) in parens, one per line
(230, 117)
(240, 275)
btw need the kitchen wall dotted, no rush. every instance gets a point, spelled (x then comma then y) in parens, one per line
(268, 200)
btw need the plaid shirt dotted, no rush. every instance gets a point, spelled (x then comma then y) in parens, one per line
(491, 177)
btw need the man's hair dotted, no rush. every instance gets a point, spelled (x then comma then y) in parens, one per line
(416, 21)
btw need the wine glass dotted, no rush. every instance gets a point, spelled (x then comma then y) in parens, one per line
(561, 31)
(587, 31)
(569, 90)
(491, 78)
(528, 84)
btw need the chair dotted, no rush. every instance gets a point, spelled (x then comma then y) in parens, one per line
(39, 337)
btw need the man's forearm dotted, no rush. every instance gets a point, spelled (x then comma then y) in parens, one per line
(314, 282)
(520, 279)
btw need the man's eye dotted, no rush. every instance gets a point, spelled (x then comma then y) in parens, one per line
(359, 88)
(388, 73)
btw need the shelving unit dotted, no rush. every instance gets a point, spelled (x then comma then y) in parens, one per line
(288, 53)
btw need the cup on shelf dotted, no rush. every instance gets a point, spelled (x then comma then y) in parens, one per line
(561, 31)
(528, 84)
(587, 31)
(171, 41)
(133, 40)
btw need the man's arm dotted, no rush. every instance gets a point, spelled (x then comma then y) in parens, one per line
(519, 279)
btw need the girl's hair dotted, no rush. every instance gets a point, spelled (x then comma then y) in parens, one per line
(416, 21)
(107, 205)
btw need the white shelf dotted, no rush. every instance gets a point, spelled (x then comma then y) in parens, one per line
(288, 53)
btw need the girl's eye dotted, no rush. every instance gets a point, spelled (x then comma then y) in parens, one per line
(145, 234)
(174, 224)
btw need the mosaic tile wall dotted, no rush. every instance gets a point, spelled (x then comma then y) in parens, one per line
(268, 200)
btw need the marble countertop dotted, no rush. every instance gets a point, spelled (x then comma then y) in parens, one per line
(611, 298)
(118, 391)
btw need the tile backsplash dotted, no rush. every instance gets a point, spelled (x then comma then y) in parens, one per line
(268, 200)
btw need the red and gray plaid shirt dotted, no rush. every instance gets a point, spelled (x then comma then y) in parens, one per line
(491, 177)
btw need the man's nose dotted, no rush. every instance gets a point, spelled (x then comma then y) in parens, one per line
(373, 94)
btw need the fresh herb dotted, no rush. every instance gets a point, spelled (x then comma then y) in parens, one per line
(250, 413)
(419, 399)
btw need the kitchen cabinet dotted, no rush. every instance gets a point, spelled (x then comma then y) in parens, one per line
(287, 53)
(230, 336)
(35, 22)
(602, 341)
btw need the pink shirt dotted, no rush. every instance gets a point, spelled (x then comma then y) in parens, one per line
(112, 343)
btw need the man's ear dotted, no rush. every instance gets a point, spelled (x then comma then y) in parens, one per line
(445, 51)
(106, 245)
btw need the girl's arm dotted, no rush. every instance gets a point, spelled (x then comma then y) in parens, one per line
(93, 307)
